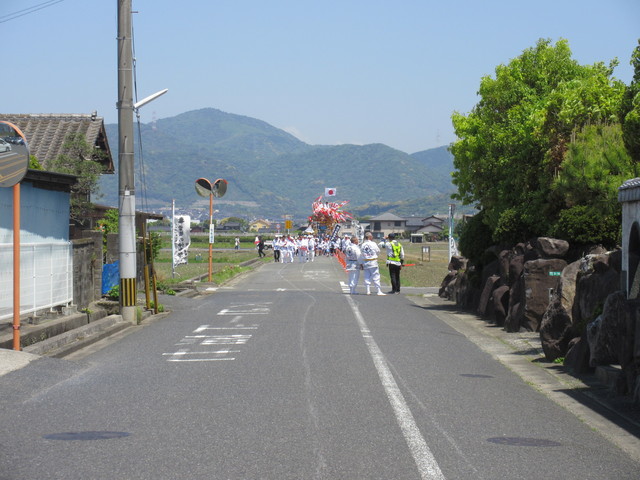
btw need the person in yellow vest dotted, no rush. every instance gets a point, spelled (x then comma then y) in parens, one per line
(395, 260)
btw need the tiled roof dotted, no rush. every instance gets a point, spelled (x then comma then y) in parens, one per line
(629, 191)
(46, 133)
(388, 217)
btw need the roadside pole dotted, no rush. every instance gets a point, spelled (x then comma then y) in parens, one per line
(126, 185)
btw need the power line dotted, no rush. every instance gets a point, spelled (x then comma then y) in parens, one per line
(27, 11)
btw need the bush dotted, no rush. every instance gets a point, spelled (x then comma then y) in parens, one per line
(114, 293)
(584, 225)
(475, 238)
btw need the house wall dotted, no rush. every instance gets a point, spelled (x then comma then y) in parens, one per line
(44, 215)
(630, 217)
(386, 227)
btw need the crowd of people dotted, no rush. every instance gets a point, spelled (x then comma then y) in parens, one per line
(357, 257)
(304, 248)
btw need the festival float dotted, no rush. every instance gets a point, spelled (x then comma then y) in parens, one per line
(326, 215)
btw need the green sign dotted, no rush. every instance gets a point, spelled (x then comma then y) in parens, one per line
(555, 274)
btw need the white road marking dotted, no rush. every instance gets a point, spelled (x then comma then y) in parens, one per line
(200, 359)
(235, 327)
(216, 352)
(176, 356)
(425, 461)
(254, 311)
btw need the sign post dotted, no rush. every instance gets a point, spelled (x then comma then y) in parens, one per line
(205, 188)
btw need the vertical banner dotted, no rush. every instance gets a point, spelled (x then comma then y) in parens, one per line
(453, 249)
(334, 234)
(181, 238)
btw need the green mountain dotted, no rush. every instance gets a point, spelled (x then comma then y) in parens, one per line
(269, 172)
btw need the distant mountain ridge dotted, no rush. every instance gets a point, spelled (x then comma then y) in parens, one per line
(269, 171)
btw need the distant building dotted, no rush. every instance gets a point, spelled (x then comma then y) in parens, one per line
(259, 226)
(383, 225)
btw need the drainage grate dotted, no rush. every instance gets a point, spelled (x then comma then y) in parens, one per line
(475, 375)
(85, 435)
(523, 442)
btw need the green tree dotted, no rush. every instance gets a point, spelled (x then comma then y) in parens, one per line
(512, 145)
(109, 223)
(630, 109)
(34, 164)
(82, 160)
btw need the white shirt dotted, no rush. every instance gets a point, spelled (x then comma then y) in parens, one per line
(352, 254)
(369, 254)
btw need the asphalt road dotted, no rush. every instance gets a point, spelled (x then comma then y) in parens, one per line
(284, 376)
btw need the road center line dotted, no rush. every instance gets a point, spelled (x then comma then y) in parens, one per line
(425, 461)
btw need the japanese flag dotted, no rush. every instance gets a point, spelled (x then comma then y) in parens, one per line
(329, 192)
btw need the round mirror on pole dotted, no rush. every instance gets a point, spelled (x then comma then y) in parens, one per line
(204, 187)
(219, 187)
(14, 155)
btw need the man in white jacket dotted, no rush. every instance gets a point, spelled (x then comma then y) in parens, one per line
(369, 261)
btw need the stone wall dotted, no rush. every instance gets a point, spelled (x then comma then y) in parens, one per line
(87, 268)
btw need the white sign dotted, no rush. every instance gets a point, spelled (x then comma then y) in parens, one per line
(181, 239)
(211, 233)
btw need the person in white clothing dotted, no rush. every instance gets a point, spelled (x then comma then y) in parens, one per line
(312, 248)
(352, 254)
(369, 259)
(303, 249)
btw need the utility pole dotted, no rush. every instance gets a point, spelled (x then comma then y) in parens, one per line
(126, 185)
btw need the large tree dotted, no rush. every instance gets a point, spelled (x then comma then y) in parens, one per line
(512, 145)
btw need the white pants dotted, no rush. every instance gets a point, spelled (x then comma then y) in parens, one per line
(372, 275)
(354, 276)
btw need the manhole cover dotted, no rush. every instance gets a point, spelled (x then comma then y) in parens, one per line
(86, 435)
(523, 442)
(475, 375)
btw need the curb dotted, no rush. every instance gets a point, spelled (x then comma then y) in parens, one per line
(68, 342)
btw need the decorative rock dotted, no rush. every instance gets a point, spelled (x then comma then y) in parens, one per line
(485, 305)
(500, 304)
(540, 281)
(551, 247)
(605, 334)
(557, 328)
(577, 358)
(595, 281)
(457, 263)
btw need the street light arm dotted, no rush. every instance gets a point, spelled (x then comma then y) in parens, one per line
(148, 99)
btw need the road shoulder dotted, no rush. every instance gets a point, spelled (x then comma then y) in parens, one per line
(584, 397)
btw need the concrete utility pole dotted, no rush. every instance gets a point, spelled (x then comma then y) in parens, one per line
(126, 185)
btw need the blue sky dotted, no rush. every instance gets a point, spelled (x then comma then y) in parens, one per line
(329, 72)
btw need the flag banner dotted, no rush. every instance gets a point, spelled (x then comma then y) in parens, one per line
(334, 234)
(329, 192)
(181, 239)
(453, 248)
